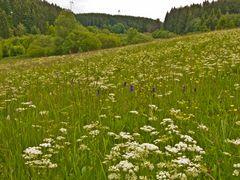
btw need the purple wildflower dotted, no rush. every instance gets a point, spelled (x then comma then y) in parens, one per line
(98, 92)
(153, 89)
(131, 88)
(184, 88)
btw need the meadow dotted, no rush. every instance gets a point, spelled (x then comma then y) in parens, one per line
(168, 109)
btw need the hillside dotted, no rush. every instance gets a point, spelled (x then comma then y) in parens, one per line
(20, 17)
(29, 16)
(105, 20)
(220, 14)
(166, 109)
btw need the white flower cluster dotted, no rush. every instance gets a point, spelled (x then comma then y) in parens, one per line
(131, 158)
(236, 171)
(94, 129)
(31, 154)
(147, 128)
(134, 112)
(171, 128)
(124, 154)
(233, 141)
(153, 107)
(40, 156)
(202, 127)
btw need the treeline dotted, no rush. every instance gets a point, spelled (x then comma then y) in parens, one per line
(20, 17)
(67, 36)
(110, 21)
(221, 14)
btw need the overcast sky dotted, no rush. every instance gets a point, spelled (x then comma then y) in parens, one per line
(145, 8)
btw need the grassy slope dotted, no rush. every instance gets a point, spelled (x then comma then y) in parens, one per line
(199, 74)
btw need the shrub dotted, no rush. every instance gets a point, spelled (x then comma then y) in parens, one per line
(6, 49)
(109, 40)
(90, 43)
(163, 34)
(42, 46)
(1, 53)
(118, 28)
(17, 50)
(134, 37)
(80, 41)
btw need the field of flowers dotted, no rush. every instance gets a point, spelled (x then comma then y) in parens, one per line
(162, 110)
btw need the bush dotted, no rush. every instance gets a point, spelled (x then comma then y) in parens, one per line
(42, 46)
(163, 34)
(17, 50)
(118, 28)
(1, 52)
(79, 40)
(134, 37)
(109, 40)
(6, 49)
(90, 43)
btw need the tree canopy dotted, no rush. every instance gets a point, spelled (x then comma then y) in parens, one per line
(208, 16)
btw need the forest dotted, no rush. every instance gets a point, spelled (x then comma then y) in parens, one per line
(108, 21)
(221, 14)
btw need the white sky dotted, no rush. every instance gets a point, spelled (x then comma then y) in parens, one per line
(150, 8)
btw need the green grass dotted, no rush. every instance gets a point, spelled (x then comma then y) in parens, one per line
(193, 80)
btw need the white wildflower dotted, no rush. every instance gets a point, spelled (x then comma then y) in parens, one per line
(94, 132)
(134, 112)
(46, 145)
(63, 130)
(233, 141)
(32, 152)
(83, 147)
(152, 106)
(150, 147)
(163, 175)
(102, 116)
(114, 176)
(238, 123)
(43, 113)
(182, 161)
(202, 127)
(236, 172)
(147, 128)
(236, 165)
(59, 138)
(8, 117)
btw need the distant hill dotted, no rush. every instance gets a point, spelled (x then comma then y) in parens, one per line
(221, 14)
(34, 17)
(103, 20)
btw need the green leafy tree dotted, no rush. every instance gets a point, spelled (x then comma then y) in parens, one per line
(79, 40)
(225, 22)
(42, 46)
(118, 28)
(51, 30)
(109, 40)
(20, 30)
(65, 23)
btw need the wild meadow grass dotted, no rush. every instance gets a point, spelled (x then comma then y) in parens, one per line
(163, 110)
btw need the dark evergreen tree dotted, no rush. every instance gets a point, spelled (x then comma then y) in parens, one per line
(4, 26)
(203, 17)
